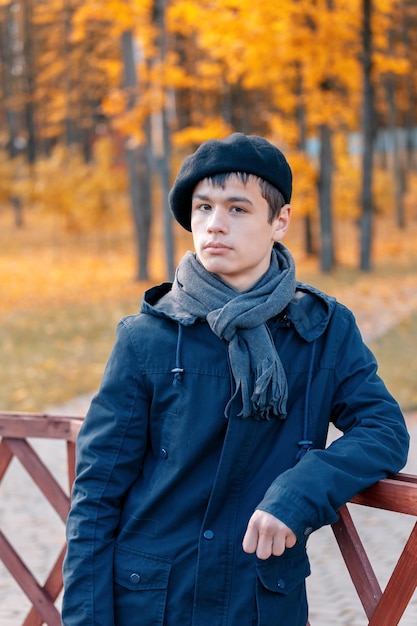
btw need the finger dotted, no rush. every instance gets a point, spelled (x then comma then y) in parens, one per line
(250, 540)
(290, 540)
(278, 545)
(264, 548)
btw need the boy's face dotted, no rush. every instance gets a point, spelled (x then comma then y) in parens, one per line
(232, 236)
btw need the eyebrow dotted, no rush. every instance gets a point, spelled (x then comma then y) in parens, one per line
(200, 196)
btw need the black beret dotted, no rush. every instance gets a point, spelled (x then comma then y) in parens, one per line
(237, 153)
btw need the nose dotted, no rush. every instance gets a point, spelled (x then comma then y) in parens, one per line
(217, 221)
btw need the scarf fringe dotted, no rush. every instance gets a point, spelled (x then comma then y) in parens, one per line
(269, 398)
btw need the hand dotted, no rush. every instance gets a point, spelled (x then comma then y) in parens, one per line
(267, 535)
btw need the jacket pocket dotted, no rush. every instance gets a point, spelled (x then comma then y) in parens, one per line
(141, 586)
(281, 592)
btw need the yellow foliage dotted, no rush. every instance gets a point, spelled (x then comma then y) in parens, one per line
(117, 12)
(115, 103)
(113, 68)
(346, 191)
(176, 76)
(181, 14)
(285, 131)
(385, 65)
(130, 124)
(214, 128)
(294, 52)
(64, 185)
(383, 189)
(289, 50)
(304, 199)
(273, 48)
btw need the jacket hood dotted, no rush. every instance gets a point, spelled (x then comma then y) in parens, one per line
(309, 310)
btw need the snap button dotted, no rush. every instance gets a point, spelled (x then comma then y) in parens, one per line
(308, 531)
(281, 583)
(208, 534)
(135, 578)
(164, 453)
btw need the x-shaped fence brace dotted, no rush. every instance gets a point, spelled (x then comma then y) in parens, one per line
(15, 429)
(399, 494)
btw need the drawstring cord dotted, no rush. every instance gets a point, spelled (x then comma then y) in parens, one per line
(305, 443)
(177, 370)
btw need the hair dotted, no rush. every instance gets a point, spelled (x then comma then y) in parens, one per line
(271, 194)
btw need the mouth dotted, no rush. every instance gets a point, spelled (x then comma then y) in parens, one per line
(213, 246)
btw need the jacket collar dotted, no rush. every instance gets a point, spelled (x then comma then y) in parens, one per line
(309, 310)
(159, 301)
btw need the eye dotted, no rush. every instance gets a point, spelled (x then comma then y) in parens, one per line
(237, 209)
(202, 207)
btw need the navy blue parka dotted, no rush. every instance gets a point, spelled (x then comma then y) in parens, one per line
(166, 483)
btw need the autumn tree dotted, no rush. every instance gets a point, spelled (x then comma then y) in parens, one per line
(324, 44)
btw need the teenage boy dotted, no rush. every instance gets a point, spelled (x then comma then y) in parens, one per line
(201, 464)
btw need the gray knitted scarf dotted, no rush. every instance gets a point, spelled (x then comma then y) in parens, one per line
(240, 319)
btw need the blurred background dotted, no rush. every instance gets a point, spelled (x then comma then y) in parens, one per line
(100, 102)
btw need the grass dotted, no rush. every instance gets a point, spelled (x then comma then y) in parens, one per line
(396, 355)
(49, 356)
(62, 296)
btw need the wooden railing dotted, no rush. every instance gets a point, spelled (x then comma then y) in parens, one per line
(397, 493)
(15, 431)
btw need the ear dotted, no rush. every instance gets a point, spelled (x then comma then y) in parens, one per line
(281, 223)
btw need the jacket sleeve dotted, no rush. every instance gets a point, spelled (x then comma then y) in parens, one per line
(374, 442)
(110, 447)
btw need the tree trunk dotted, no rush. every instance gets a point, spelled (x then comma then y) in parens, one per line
(164, 158)
(8, 47)
(140, 197)
(368, 137)
(327, 257)
(6, 59)
(397, 154)
(412, 107)
(309, 246)
(409, 27)
(71, 130)
(165, 180)
(29, 62)
(138, 169)
(302, 146)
